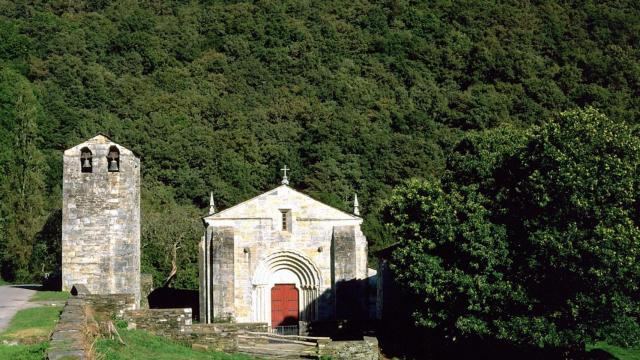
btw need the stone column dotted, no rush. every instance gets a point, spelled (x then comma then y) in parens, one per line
(221, 273)
(202, 279)
(261, 303)
(308, 300)
(347, 290)
(303, 301)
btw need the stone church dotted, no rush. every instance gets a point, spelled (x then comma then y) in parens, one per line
(281, 258)
(101, 218)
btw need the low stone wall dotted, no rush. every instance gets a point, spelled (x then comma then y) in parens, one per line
(69, 338)
(366, 349)
(221, 336)
(175, 323)
(111, 305)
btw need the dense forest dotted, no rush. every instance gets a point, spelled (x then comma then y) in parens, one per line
(354, 96)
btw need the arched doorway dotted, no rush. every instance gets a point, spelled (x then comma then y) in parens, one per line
(291, 274)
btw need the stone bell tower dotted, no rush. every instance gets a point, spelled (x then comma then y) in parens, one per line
(101, 218)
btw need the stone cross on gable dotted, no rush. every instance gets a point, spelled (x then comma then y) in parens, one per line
(285, 180)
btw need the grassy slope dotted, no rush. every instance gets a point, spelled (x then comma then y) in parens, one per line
(617, 352)
(23, 352)
(32, 323)
(50, 296)
(142, 345)
(30, 326)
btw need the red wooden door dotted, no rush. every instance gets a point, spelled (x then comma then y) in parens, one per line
(284, 305)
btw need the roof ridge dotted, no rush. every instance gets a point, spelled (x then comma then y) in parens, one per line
(216, 215)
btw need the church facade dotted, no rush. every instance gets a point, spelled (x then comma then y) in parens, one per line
(280, 258)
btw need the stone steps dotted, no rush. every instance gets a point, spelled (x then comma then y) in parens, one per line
(276, 346)
(278, 351)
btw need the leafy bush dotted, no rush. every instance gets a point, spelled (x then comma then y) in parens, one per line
(530, 238)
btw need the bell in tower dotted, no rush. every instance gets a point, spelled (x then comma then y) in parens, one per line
(114, 159)
(113, 165)
(85, 160)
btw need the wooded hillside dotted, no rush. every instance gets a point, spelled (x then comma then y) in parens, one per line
(354, 96)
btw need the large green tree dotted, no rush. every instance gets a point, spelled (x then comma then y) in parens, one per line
(169, 241)
(532, 237)
(22, 182)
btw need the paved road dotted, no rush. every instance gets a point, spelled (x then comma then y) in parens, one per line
(12, 299)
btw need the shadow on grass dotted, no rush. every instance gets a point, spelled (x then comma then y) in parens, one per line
(428, 347)
(35, 287)
(43, 293)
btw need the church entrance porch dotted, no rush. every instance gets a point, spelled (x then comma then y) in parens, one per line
(286, 286)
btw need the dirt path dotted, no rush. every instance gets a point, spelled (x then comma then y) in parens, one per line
(12, 299)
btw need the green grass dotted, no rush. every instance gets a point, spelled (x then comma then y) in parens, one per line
(31, 328)
(3, 282)
(616, 351)
(50, 296)
(23, 352)
(143, 345)
(32, 325)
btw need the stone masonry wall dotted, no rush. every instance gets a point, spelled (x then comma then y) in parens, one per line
(343, 251)
(221, 337)
(366, 349)
(350, 295)
(176, 324)
(216, 275)
(222, 272)
(164, 322)
(101, 221)
(69, 338)
(111, 305)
